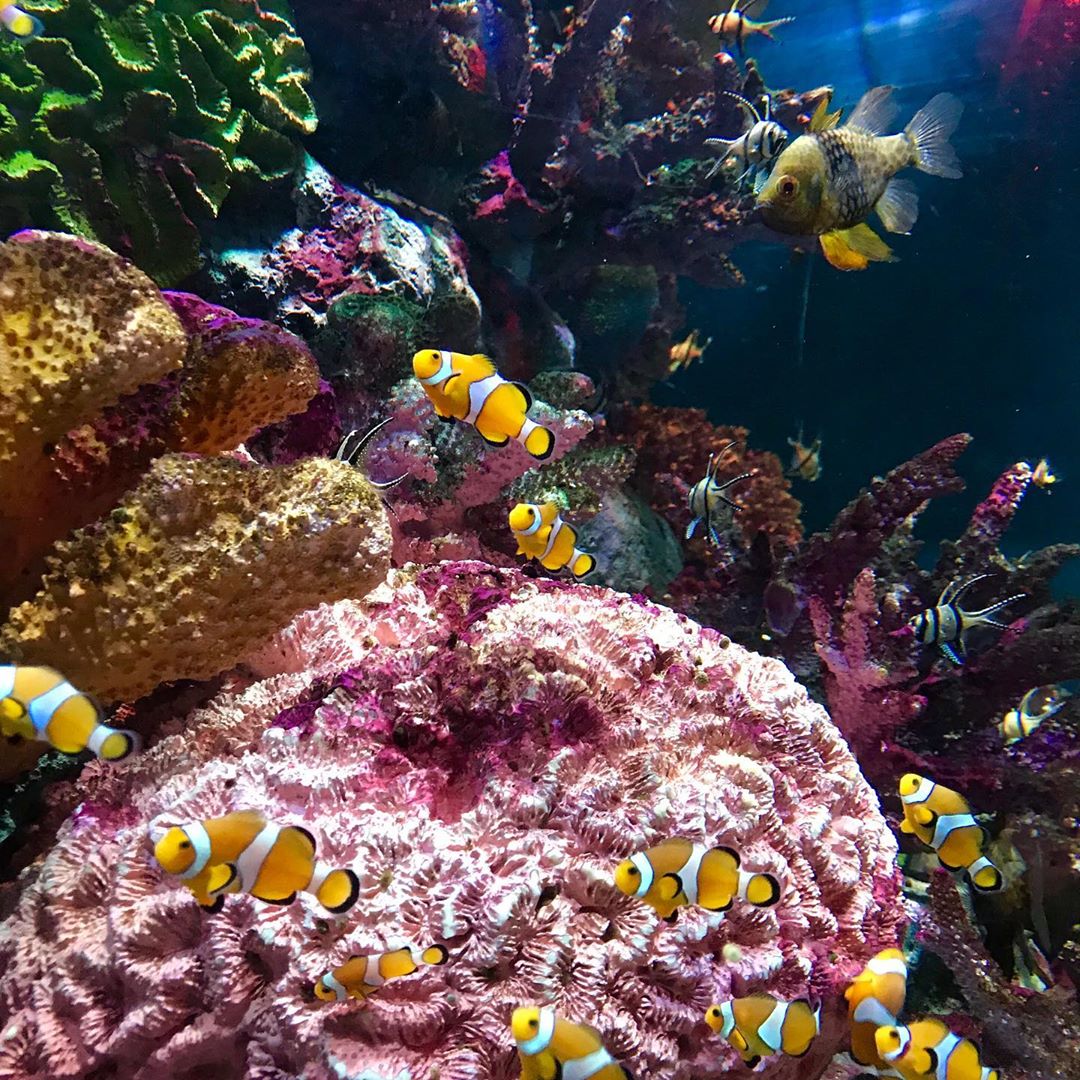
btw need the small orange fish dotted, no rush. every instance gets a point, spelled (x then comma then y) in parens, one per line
(761, 1025)
(805, 460)
(685, 352)
(1044, 477)
(875, 997)
(360, 976)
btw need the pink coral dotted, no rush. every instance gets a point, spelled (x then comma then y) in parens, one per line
(483, 748)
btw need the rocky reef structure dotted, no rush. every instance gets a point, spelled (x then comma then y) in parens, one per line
(483, 748)
(131, 123)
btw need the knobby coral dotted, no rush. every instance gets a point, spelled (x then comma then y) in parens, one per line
(195, 566)
(483, 748)
(130, 122)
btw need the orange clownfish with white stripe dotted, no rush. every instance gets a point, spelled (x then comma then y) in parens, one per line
(542, 534)
(360, 976)
(942, 820)
(19, 23)
(39, 703)
(678, 872)
(244, 852)
(761, 1025)
(927, 1048)
(875, 999)
(551, 1048)
(468, 388)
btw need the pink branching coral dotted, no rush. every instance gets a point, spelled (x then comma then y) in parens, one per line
(482, 748)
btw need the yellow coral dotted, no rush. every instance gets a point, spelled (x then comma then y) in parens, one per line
(195, 567)
(79, 327)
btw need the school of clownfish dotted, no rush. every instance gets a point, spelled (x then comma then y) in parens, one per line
(244, 852)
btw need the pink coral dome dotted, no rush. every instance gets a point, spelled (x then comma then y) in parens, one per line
(483, 748)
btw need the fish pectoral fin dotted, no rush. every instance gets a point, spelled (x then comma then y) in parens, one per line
(669, 886)
(898, 206)
(924, 815)
(221, 878)
(494, 440)
(855, 248)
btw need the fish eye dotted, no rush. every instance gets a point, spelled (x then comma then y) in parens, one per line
(534, 1023)
(633, 871)
(788, 186)
(185, 843)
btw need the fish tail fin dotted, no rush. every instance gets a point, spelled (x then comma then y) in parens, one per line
(113, 744)
(929, 132)
(761, 890)
(766, 28)
(985, 876)
(539, 441)
(339, 890)
(434, 955)
(983, 616)
(582, 564)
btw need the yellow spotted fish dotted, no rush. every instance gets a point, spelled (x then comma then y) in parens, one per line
(678, 872)
(827, 181)
(761, 1025)
(1037, 705)
(39, 703)
(875, 999)
(551, 1048)
(361, 976)
(542, 534)
(941, 819)
(19, 23)
(928, 1049)
(469, 389)
(244, 852)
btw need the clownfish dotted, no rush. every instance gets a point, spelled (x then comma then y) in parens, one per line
(243, 852)
(1037, 705)
(942, 820)
(20, 23)
(551, 1048)
(875, 999)
(542, 534)
(468, 388)
(761, 1025)
(361, 976)
(39, 703)
(679, 872)
(947, 624)
(927, 1048)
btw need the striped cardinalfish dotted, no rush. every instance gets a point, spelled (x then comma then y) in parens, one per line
(926, 1048)
(707, 496)
(1037, 705)
(947, 624)
(805, 459)
(244, 852)
(469, 389)
(941, 819)
(678, 872)
(542, 534)
(827, 182)
(39, 703)
(756, 149)
(875, 998)
(551, 1048)
(734, 26)
(360, 976)
(762, 1025)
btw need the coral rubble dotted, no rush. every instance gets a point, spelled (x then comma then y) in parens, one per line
(483, 748)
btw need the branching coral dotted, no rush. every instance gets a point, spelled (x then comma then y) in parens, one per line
(130, 122)
(83, 328)
(194, 567)
(483, 749)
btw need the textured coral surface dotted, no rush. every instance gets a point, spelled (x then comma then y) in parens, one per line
(130, 122)
(197, 565)
(483, 748)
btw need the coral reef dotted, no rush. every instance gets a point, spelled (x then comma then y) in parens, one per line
(102, 374)
(483, 748)
(194, 567)
(130, 123)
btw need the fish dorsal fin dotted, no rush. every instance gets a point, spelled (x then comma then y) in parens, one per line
(822, 119)
(874, 113)
(482, 365)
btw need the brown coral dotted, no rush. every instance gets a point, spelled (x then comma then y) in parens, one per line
(195, 567)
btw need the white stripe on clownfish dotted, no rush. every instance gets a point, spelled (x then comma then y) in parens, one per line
(645, 870)
(946, 824)
(688, 873)
(584, 1067)
(41, 708)
(200, 843)
(251, 859)
(770, 1031)
(539, 1042)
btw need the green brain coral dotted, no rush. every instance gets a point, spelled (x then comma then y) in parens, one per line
(129, 121)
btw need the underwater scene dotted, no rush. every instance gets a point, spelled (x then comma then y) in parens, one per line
(539, 540)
